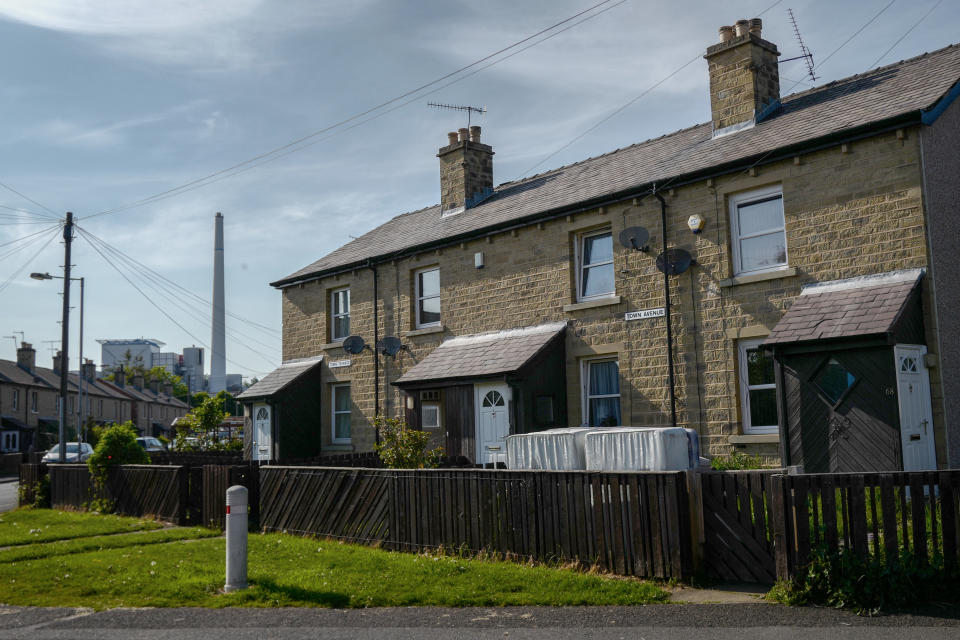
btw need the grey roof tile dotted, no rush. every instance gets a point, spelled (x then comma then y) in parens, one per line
(488, 354)
(878, 95)
(279, 378)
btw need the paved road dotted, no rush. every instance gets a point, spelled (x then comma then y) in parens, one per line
(8, 493)
(660, 622)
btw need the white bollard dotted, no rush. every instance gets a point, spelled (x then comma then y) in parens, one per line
(236, 539)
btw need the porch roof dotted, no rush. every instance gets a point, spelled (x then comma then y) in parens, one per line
(13, 424)
(483, 355)
(855, 307)
(279, 378)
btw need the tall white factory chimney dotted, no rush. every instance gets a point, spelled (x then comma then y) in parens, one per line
(218, 359)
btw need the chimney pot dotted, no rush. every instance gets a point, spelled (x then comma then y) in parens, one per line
(466, 171)
(56, 362)
(756, 25)
(452, 137)
(474, 133)
(464, 134)
(726, 33)
(747, 63)
(743, 27)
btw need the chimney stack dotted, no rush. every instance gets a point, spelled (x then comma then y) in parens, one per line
(26, 356)
(466, 170)
(137, 381)
(155, 386)
(120, 377)
(744, 76)
(89, 371)
(56, 362)
(168, 389)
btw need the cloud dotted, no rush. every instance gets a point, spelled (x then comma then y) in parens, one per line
(207, 35)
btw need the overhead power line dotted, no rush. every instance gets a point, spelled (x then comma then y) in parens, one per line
(298, 144)
(86, 235)
(906, 33)
(25, 265)
(28, 199)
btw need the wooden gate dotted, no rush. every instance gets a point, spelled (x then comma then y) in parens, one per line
(738, 525)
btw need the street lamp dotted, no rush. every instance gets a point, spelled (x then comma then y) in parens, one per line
(65, 372)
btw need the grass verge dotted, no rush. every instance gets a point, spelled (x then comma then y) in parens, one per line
(187, 569)
(30, 526)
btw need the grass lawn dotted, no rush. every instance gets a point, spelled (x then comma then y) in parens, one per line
(185, 567)
(29, 526)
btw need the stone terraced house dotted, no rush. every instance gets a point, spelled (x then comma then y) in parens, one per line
(810, 288)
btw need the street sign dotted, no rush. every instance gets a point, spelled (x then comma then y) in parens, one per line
(646, 313)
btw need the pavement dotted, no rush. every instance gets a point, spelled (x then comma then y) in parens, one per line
(8, 493)
(662, 622)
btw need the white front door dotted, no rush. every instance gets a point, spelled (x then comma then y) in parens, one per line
(262, 442)
(916, 414)
(493, 422)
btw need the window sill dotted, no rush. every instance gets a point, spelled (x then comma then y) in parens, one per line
(425, 331)
(759, 277)
(591, 304)
(333, 345)
(339, 446)
(758, 438)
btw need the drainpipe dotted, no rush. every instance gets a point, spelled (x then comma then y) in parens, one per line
(666, 296)
(376, 352)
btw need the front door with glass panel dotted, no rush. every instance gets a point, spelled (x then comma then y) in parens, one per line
(262, 441)
(493, 422)
(916, 419)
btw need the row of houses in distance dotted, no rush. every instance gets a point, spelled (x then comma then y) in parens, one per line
(797, 255)
(30, 402)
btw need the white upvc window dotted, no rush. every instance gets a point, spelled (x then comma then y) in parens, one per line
(428, 297)
(340, 416)
(595, 277)
(600, 391)
(10, 441)
(758, 388)
(757, 231)
(339, 314)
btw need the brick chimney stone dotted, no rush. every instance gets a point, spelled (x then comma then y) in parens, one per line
(466, 170)
(27, 356)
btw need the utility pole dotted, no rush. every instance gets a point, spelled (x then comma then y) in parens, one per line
(65, 336)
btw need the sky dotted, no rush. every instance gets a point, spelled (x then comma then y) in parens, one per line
(110, 102)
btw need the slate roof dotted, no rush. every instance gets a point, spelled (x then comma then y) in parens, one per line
(10, 371)
(895, 94)
(847, 308)
(279, 378)
(482, 355)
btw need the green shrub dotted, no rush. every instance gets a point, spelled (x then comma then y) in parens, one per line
(36, 493)
(736, 461)
(403, 448)
(117, 445)
(869, 585)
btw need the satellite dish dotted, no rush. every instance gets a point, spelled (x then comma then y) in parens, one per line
(634, 238)
(353, 344)
(389, 345)
(674, 261)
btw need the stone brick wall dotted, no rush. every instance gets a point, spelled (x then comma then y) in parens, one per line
(849, 211)
(466, 168)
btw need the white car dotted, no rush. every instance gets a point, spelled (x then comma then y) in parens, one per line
(76, 452)
(150, 443)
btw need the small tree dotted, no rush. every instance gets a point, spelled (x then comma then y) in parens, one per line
(401, 447)
(204, 421)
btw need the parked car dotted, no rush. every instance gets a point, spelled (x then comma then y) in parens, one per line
(76, 452)
(151, 444)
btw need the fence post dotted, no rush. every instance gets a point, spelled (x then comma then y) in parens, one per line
(781, 525)
(695, 504)
(236, 539)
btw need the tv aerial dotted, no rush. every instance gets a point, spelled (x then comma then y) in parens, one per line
(805, 53)
(673, 262)
(456, 107)
(354, 344)
(635, 238)
(390, 346)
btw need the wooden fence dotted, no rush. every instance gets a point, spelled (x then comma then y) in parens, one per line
(10, 463)
(216, 480)
(30, 477)
(876, 515)
(135, 490)
(628, 523)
